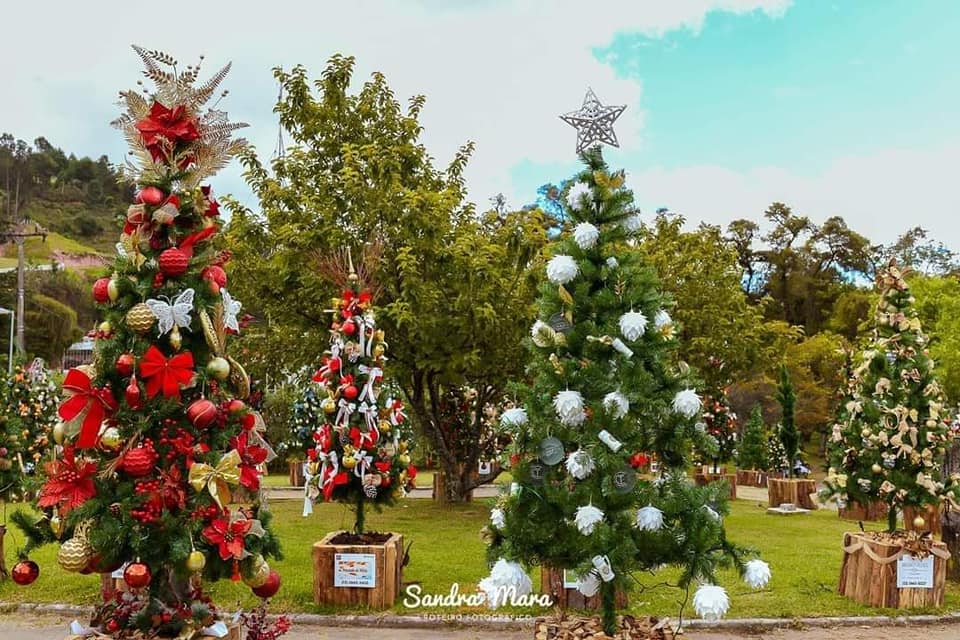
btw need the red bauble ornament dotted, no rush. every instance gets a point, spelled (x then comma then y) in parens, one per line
(25, 572)
(151, 196)
(125, 364)
(349, 328)
(350, 392)
(235, 406)
(173, 263)
(216, 276)
(140, 461)
(137, 575)
(269, 588)
(101, 290)
(202, 413)
(133, 395)
(638, 460)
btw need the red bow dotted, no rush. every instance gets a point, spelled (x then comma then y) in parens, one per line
(324, 438)
(93, 405)
(166, 127)
(363, 440)
(166, 375)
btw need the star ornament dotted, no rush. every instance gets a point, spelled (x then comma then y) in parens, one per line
(593, 122)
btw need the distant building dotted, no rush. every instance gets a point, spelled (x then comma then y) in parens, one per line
(78, 353)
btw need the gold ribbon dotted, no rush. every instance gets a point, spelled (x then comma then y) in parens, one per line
(217, 479)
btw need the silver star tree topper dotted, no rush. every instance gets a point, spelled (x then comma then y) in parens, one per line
(593, 122)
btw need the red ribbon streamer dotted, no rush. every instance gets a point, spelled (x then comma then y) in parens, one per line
(93, 403)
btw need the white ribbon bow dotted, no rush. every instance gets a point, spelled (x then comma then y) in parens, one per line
(345, 410)
(364, 460)
(373, 374)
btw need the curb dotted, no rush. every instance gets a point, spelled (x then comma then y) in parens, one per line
(507, 622)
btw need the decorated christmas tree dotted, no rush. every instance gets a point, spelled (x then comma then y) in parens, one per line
(752, 452)
(891, 431)
(359, 450)
(161, 464)
(28, 414)
(720, 423)
(605, 385)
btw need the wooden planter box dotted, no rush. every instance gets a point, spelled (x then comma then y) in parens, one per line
(868, 574)
(296, 474)
(931, 517)
(876, 510)
(630, 628)
(551, 583)
(751, 478)
(792, 491)
(380, 582)
(706, 478)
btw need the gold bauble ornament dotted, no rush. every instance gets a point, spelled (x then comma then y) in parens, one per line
(140, 319)
(404, 459)
(259, 574)
(110, 439)
(105, 328)
(58, 433)
(379, 350)
(57, 525)
(329, 405)
(349, 462)
(919, 523)
(74, 554)
(219, 368)
(379, 335)
(175, 339)
(385, 426)
(403, 446)
(113, 290)
(196, 561)
(876, 468)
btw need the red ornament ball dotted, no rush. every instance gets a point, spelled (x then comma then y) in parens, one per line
(216, 276)
(173, 263)
(125, 364)
(235, 406)
(350, 392)
(140, 461)
(202, 413)
(269, 588)
(101, 290)
(151, 196)
(349, 328)
(132, 394)
(25, 572)
(137, 575)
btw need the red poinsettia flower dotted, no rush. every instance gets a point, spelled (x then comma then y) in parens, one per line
(69, 483)
(229, 536)
(213, 207)
(165, 127)
(251, 455)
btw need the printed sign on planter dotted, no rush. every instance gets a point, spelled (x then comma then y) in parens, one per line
(355, 570)
(914, 573)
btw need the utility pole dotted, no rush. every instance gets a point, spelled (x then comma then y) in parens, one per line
(19, 234)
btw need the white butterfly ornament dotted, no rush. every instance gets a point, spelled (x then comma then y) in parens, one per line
(171, 315)
(231, 308)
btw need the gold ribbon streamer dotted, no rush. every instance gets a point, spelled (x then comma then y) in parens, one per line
(217, 479)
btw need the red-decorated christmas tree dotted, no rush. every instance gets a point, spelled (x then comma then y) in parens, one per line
(359, 449)
(160, 469)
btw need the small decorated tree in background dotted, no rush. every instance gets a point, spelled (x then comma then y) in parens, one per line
(160, 471)
(892, 429)
(605, 386)
(752, 452)
(28, 409)
(787, 431)
(359, 451)
(721, 424)
(777, 460)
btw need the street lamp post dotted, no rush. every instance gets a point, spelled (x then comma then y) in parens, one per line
(12, 314)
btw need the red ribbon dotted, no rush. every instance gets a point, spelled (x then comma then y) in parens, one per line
(166, 375)
(186, 245)
(92, 403)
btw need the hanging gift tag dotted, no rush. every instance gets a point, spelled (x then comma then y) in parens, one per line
(559, 323)
(624, 480)
(537, 470)
(551, 451)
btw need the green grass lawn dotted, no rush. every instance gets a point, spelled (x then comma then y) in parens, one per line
(803, 551)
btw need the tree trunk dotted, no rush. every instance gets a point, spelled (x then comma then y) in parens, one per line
(3, 565)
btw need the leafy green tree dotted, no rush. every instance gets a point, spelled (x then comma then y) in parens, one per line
(938, 307)
(453, 285)
(890, 435)
(752, 452)
(787, 432)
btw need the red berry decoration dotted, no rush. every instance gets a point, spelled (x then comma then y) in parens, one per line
(350, 392)
(269, 588)
(125, 363)
(151, 196)
(101, 290)
(202, 413)
(173, 263)
(140, 461)
(25, 572)
(137, 575)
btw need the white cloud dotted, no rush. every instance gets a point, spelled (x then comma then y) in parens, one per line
(497, 72)
(880, 195)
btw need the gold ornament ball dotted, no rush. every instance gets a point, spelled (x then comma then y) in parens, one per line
(110, 439)
(404, 460)
(140, 319)
(403, 446)
(919, 523)
(385, 426)
(219, 368)
(113, 290)
(58, 433)
(74, 555)
(349, 462)
(876, 468)
(259, 574)
(379, 350)
(175, 339)
(196, 561)
(329, 405)
(105, 328)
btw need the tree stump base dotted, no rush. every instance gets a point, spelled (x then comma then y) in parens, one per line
(3, 564)
(703, 479)
(751, 478)
(868, 574)
(629, 628)
(876, 510)
(931, 519)
(368, 575)
(296, 474)
(566, 597)
(792, 491)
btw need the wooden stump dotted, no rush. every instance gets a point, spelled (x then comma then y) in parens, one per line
(629, 628)
(296, 474)
(950, 534)
(552, 583)
(876, 510)
(751, 478)
(703, 479)
(792, 491)
(868, 574)
(376, 569)
(931, 518)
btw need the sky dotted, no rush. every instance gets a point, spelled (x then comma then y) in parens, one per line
(848, 108)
